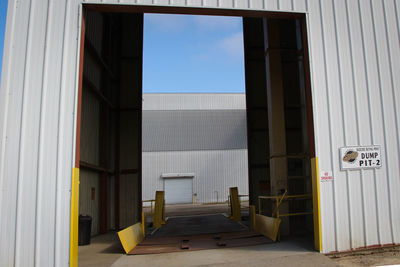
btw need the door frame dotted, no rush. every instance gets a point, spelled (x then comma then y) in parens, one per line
(190, 11)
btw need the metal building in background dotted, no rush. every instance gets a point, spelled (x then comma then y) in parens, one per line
(194, 146)
(351, 52)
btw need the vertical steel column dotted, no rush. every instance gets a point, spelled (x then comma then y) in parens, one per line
(74, 223)
(276, 113)
(117, 169)
(256, 108)
(104, 128)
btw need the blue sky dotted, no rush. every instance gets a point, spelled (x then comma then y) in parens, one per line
(185, 53)
(3, 15)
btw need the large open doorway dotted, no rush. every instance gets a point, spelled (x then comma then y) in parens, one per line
(194, 138)
(279, 116)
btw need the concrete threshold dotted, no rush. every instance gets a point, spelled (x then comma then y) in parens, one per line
(291, 252)
(105, 250)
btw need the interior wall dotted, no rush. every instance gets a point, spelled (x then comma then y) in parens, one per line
(277, 119)
(89, 187)
(130, 118)
(257, 109)
(99, 121)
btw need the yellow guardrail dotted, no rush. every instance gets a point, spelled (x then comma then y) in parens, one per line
(151, 204)
(279, 199)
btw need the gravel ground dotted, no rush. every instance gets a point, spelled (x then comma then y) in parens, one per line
(373, 257)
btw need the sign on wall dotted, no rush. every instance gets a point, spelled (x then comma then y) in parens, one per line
(326, 176)
(360, 157)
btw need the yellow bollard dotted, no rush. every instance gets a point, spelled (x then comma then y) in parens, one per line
(235, 204)
(253, 216)
(143, 223)
(159, 210)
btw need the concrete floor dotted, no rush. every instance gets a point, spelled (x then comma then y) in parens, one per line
(105, 250)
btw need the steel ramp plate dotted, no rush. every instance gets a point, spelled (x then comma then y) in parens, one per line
(199, 242)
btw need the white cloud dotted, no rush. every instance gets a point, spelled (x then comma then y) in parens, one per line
(232, 45)
(217, 22)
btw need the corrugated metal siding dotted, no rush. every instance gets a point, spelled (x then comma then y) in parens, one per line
(215, 171)
(193, 101)
(270, 5)
(37, 122)
(353, 45)
(354, 50)
(194, 130)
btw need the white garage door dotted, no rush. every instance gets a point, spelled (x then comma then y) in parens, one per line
(178, 190)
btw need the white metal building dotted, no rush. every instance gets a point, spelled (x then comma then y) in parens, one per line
(350, 50)
(194, 146)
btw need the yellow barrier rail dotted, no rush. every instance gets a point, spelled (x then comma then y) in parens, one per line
(279, 199)
(235, 204)
(151, 204)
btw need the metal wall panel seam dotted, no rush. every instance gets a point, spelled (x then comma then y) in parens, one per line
(5, 88)
(271, 4)
(356, 231)
(370, 107)
(286, 5)
(383, 111)
(48, 143)
(397, 96)
(358, 121)
(4, 96)
(336, 124)
(330, 123)
(343, 111)
(390, 52)
(397, 16)
(41, 123)
(58, 241)
(8, 60)
(315, 118)
(367, 86)
(314, 31)
(19, 219)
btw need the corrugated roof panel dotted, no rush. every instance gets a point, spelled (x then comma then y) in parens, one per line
(193, 101)
(185, 130)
